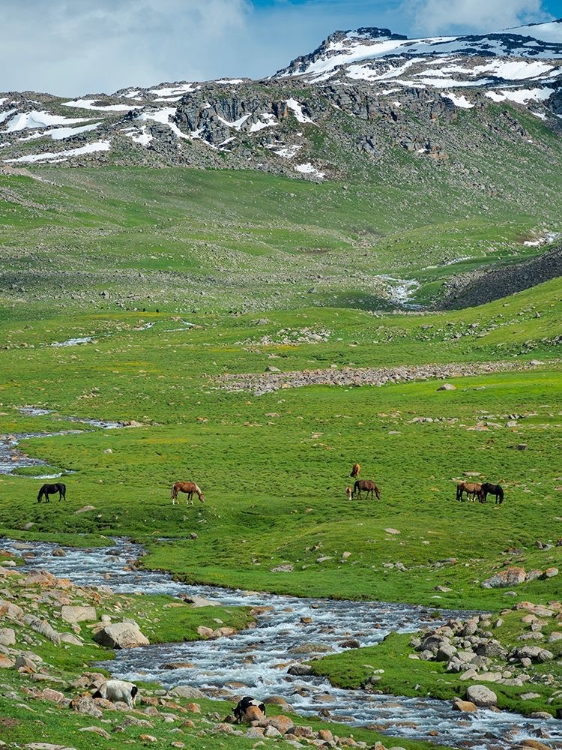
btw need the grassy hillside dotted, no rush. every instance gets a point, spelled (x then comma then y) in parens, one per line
(183, 240)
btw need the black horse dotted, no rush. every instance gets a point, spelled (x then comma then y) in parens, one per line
(51, 489)
(492, 489)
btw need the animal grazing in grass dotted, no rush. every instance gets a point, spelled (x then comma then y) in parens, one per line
(472, 489)
(118, 690)
(249, 709)
(190, 489)
(492, 489)
(51, 489)
(349, 492)
(368, 486)
(355, 471)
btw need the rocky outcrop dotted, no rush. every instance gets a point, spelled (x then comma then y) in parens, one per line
(480, 287)
(349, 376)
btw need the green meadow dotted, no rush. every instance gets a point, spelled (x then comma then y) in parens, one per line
(174, 280)
(274, 467)
(153, 270)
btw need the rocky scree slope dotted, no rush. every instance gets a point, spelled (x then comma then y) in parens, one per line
(480, 287)
(359, 101)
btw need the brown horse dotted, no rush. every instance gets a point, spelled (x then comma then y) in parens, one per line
(349, 492)
(355, 471)
(190, 489)
(472, 489)
(368, 486)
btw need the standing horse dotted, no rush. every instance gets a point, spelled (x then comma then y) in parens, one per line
(368, 486)
(472, 490)
(51, 489)
(190, 488)
(492, 489)
(355, 471)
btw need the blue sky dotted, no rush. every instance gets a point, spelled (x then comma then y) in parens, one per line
(93, 46)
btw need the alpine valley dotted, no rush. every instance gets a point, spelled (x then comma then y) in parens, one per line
(249, 287)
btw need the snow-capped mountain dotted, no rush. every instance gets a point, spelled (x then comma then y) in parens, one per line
(528, 54)
(394, 92)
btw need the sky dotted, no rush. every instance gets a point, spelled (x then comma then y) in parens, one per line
(78, 47)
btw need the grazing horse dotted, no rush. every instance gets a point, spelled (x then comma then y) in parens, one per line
(349, 492)
(355, 471)
(190, 488)
(50, 489)
(492, 489)
(472, 490)
(368, 486)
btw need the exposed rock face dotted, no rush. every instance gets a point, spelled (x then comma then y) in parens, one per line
(121, 635)
(485, 286)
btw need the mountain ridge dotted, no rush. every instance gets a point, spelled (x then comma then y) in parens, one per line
(360, 99)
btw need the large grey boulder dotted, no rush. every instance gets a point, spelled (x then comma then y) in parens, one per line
(505, 578)
(121, 635)
(7, 637)
(74, 614)
(481, 696)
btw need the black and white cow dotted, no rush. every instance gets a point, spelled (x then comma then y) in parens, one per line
(249, 709)
(118, 690)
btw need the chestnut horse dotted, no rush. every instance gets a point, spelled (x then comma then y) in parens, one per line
(51, 489)
(368, 486)
(190, 488)
(472, 490)
(355, 471)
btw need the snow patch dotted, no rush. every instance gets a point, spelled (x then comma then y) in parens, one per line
(296, 108)
(5, 115)
(309, 169)
(458, 101)
(91, 104)
(237, 124)
(267, 121)
(287, 152)
(90, 148)
(182, 88)
(59, 134)
(544, 32)
(34, 119)
(521, 96)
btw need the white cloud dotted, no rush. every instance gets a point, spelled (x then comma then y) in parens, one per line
(72, 47)
(472, 16)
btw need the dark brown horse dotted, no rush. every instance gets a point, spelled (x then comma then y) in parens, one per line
(368, 486)
(472, 489)
(190, 489)
(355, 471)
(492, 489)
(51, 489)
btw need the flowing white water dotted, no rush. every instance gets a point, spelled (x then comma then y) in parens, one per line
(255, 661)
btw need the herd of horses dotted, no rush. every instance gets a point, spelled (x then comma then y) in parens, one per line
(472, 490)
